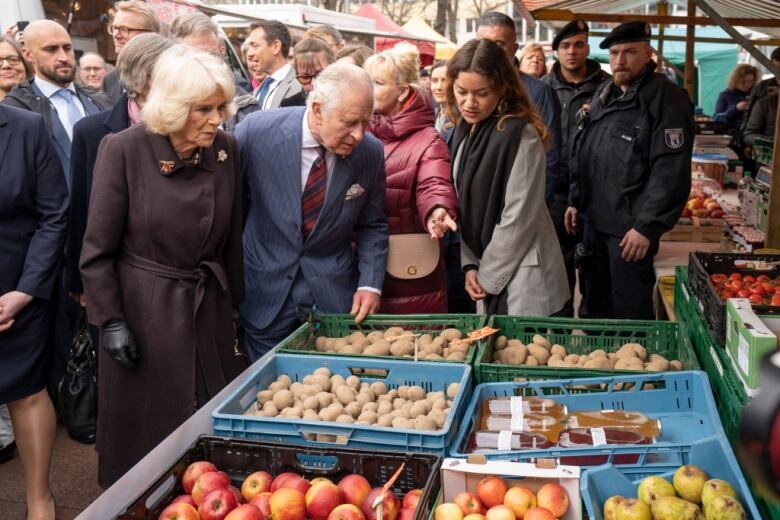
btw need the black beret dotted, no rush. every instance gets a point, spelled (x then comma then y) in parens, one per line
(570, 29)
(627, 32)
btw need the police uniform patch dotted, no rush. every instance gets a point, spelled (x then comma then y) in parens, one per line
(674, 138)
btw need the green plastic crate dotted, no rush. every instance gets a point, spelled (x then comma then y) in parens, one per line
(341, 325)
(763, 150)
(729, 394)
(581, 337)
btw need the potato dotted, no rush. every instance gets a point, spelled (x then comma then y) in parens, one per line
(353, 382)
(417, 410)
(425, 339)
(329, 413)
(376, 350)
(349, 349)
(320, 344)
(416, 393)
(626, 350)
(392, 393)
(439, 416)
(597, 353)
(285, 379)
(354, 409)
(612, 356)
(363, 398)
(400, 422)
(512, 343)
(403, 391)
(554, 357)
(368, 416)
(393, 331)
(385, 420)
(451, 334)
(330, 345)
(384, 408)
(282, 399)
(401, 412)
(270, 410)
(540, 353)
(452, 390)
(501, 343)
(311, 403)
(378, 387)
(311, 415)
(346, 419)
(639, 350)
(572, 358)
(433, 396)
(599, 363)
(375, 335)
(628, 363)
(402, 347)
(325, 399)
(398, 403)
(555, 361)
(322, 380)
(559, 350)
(433, 356)
(457, 356)
(424, 423)
(337, 379)
(542, 342)
(345, 394)
(675, 365)
(514, 356)
(356, 336)
(531, 361)
(276, 386)
(361, 344)
(264, 396)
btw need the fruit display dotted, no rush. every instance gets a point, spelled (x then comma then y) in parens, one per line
(495, 499)
(760, 289)
(691, 495)
(286, 496)
(328, 397)
(699, 205)
(541, 352)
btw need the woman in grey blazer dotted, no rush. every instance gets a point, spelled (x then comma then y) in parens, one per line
(509, 251)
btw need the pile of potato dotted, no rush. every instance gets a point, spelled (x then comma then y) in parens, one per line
(400, 344)
(323, 396)
(540, 352)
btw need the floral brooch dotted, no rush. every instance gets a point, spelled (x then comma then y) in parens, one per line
(166, 167)
(221, 155)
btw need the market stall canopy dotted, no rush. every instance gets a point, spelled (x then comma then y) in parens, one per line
(426, 47)
(417, 26)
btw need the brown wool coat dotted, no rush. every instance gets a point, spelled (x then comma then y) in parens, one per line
(157, 244)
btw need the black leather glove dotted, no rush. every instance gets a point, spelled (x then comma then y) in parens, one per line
(120, 343)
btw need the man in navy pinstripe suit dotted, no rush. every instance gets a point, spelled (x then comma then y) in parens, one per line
(314, 183)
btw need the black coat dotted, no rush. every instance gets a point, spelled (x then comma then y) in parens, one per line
(87, 135)
(112, 87)
(632, 160)
(33, 217)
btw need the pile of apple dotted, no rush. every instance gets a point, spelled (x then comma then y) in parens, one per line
(495, 500)
(689, 493)
(760, 290)
(288, 496)
(699, 205)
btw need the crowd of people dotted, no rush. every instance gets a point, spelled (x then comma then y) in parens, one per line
(177, 203)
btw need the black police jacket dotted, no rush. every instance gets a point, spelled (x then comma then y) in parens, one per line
(632, 158)
(571, 97)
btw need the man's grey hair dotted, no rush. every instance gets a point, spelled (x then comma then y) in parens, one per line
(90, 53)
(137, 59)
(192, 24)
(338, 80)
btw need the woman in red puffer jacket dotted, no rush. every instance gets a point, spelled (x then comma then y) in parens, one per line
(420, 195)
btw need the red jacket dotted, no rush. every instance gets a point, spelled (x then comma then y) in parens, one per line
(417, 166)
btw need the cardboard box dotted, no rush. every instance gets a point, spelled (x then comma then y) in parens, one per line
(459, 475)
(748, 338)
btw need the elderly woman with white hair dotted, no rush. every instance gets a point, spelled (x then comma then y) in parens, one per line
(162, 261)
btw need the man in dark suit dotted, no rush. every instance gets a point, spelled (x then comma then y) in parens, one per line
(268, 44)
(314, 182)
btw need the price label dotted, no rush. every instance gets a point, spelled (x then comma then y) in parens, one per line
(505, 440)
(599, 436)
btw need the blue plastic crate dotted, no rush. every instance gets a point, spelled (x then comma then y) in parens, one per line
(228, 418)
(681, 400)
(714, 456)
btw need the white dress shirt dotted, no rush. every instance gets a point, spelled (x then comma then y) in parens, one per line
(60, 105)
(278, 76)
(309, 154)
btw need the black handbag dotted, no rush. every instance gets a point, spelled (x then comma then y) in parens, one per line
(78, 392)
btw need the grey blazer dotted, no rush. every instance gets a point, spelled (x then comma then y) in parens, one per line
(523, 255)
(289, 86)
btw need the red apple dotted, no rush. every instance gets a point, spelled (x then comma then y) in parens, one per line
(321, 479)
(447, 511)
(347, 512)
(245, 512)
(280, 478)
(187, 499)
(553, 497)
(538, 513)
(295, 482)
(288, 504)
(686, 213)
(693, 204)
(262, 502)
(256, 483)
(406, 513)
(491, 491)
(321, 499)
(500, 512)
(411, 498)
(354, 488)
(390, 505)
(519, 499)
(469, 503)
(193, 471)
(474, 517)
(217, 504)
(236, 493)
(179, 511)
(209, 482)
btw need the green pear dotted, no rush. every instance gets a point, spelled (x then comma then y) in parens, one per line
(688, 482)
(724, 508)
(632, 509)
(715, 488)
(651, 488)
(610, 507)
(674, 508)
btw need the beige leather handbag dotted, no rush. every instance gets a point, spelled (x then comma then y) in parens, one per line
(413, 255)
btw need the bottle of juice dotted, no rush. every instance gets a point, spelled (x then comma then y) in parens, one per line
(636, 421)
(506, 440)
(517, 404)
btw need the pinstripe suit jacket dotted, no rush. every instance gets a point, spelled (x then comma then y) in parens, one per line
(274, 249)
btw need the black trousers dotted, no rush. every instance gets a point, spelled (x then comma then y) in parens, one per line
(568, 245)
(458, 301)
(612, 287)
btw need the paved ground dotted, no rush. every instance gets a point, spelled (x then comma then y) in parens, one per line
(73, 477)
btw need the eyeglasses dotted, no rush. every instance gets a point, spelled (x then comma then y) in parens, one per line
(305, 79)
(90, 70)
(12, 60)
(122, 31)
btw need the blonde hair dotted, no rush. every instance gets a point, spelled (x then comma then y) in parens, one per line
(531, 48)
(181, 77)
(151, 22)
(739, 72)
(401, 65)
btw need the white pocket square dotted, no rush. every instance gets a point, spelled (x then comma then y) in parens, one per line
(354, 191)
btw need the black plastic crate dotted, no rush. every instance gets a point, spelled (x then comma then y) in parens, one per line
(701, 265)
(240, 458)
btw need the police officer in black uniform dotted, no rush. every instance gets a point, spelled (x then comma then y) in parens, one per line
(574, 77)
(631, 173)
